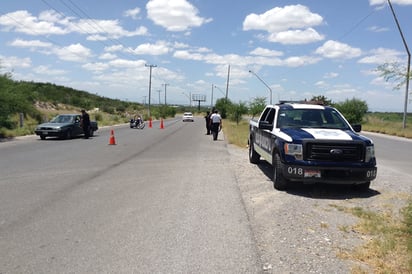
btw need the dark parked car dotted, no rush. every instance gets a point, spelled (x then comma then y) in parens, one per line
(64, 126)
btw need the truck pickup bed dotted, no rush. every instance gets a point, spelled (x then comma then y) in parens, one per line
(311, 144)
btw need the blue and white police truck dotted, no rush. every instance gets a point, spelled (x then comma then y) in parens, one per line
(311, 143)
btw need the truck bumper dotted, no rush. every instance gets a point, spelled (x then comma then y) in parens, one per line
(330, 175)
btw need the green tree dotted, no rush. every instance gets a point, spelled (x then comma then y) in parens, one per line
(394, 72)
(322, 99)
(223, 106)
(257, 105)
(236, 111)
(354, 110)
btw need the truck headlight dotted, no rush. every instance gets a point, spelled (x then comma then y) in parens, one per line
(294, 150)
(370, 153)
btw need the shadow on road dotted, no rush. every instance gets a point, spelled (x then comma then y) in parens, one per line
(321, 190)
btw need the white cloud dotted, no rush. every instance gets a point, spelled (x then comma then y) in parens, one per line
(266, 52)
(296, 61)
(177, 15)
(296, 36)
(382, 55)
(23, 22)
(383, 2)
(30, 44)
(114, 48)
(53, 23)
(10, 62)
(122, 63)
(133, 13)
(109, 28)
(107, 56)
(96, 67)
(336, 50)
(378, 29)
(74, 53)
(330, 75)
(45, 70)
(286, 25)
(159, 48)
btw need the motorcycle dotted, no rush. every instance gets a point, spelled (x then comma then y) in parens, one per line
(138, 123)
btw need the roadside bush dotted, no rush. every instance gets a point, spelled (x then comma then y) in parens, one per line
(354, 110)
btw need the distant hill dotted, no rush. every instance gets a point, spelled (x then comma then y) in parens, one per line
(31, 99)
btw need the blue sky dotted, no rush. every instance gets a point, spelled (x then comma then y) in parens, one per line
(299, 49)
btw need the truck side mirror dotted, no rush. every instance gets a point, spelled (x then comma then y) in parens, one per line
(265, 125)
(357, 127)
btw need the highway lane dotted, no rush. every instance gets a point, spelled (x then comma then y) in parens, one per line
(393, 152)
(159, 201)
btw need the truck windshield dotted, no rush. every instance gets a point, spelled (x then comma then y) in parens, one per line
(314, 118)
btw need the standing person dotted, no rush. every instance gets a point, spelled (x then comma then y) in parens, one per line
(86, 124)
(207, 118)
(216, 124)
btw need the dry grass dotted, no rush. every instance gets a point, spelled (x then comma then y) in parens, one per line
(236, 134)
(386, 241)
(387, 125)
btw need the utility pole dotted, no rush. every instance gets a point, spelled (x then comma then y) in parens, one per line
(150, 84)
(211, 100)
(227, 83)
(405, 108)
(159, 95)
(165, 90)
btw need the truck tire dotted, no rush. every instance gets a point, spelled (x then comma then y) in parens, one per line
(91, 132)
(279, 182)
(254, 157)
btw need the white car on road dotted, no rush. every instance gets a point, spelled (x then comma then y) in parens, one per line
(188, 116)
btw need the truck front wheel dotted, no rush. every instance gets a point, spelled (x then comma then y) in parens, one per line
(254, 157)
(279, 182)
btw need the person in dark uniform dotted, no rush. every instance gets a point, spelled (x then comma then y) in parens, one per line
(207, 118)
(86, 124)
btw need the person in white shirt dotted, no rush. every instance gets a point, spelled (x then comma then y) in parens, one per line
(215, 124)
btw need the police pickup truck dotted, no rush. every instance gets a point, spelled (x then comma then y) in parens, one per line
(311, 143)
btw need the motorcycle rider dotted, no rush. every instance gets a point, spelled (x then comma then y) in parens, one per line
(136, 121)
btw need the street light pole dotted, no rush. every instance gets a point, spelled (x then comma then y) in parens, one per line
(220, 90)
(264, 84)
(165, 90)
(150, 84)
(211, 100)
(408, 69)
(159, 91)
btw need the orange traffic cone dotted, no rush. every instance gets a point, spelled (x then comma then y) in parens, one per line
(112, 140)
(161, 124)
(150, 122)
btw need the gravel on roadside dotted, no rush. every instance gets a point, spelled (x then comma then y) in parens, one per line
(302, 230)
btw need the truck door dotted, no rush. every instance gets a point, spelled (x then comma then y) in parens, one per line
(266, 123)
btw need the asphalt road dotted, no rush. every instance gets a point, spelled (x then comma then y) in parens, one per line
(159, 201)
(172, 201)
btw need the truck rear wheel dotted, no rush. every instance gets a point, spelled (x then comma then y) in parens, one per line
(254, 157)
(279, 182)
